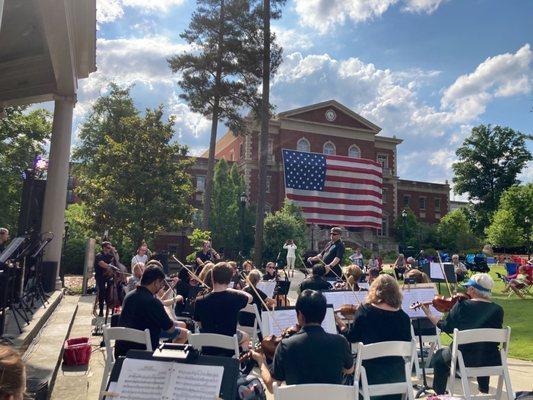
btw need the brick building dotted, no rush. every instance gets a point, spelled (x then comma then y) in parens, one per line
(329, 128)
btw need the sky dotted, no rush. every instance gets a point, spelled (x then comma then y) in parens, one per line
(426, 71)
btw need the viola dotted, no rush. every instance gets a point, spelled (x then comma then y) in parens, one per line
(442, 303)
(269, 344)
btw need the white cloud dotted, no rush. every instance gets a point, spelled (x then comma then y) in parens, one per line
(194, 124)
(324, 15)
(111, 10)
(526, 176)
(499, 76)
(291, 39)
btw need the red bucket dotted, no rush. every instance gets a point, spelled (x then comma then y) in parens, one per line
(77, 351)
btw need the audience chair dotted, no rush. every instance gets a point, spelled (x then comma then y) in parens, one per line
(378, 350)
(252, 330)
(120, 333)
(501, 336)
(199, 340)
(318, 391)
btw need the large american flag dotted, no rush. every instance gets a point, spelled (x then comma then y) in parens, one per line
(334, 190)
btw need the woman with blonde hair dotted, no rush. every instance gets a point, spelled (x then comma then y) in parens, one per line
(245, 318)
(381, 319)
(12, 375)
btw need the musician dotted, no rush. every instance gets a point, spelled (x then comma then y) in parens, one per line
(477, 312)
(311, 355)
(207, 254)
(357, 258)
(103, 262)
(143, 310)
(217, 311)
(141, 256)
(137, 273)
(316, 281)
(332, 254)
(399, 266)
(380, 319)
(353, 275)
(247, 266)
(459, 268)
(238, 282)
(271, 274)
(12, 374)
(291, 255)
(248, 319)
(4, 238)
(372, 274)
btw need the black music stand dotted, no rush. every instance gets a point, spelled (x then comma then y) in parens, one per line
(282, 290)
(228, 388)
(36, 289)
(422, 389)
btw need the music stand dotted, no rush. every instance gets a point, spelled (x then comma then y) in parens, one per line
(282, 290)
(422, 389)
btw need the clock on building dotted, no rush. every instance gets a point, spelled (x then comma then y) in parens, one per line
(331, 115)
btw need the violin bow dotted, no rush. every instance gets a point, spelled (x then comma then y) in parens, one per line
(270, 314)
(192, 274)
(444, 273)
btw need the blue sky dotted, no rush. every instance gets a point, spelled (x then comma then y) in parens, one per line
(426, 71)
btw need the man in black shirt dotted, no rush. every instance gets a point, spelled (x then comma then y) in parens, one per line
(102, 262)
(218, 310)
(316, 281)
(332, 255)
(207, 254)
(311, 355)
(477, 313)
(143, 310)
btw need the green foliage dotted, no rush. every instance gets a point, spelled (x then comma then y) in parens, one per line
(132, 177)
(73, 255)
(512, 221)
(286, 223)
(490, 160)
(455, 234)
(22, 137)
(197, 239)
(407, 232)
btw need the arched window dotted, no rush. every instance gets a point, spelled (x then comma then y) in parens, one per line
(303, 145)
(354, 151)
(329, 148)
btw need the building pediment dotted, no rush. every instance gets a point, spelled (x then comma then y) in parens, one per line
(330, 113)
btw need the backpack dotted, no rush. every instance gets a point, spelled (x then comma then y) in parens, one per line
(250, 387)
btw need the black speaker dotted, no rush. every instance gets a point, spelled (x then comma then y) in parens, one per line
(31, 206)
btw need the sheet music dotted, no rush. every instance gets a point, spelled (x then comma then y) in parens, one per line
(363, 285)
(287, 318)
(329, 321)
(143, 379)
(435, 271)
(195, 382)
(339, 297)
(267, 287)
(422, 295)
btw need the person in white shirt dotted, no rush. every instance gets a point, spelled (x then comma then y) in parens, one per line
(357, 258)
(291, 255)
(141, 256)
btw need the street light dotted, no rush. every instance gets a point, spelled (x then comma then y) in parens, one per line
(404, 218)
(242, 206)
(528, 233)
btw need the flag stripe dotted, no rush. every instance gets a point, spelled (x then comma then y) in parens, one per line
(341, 211)
(356, 171)
(346, 159)
(335, 200)
(345, 179)
(343, 222)
(333, 187)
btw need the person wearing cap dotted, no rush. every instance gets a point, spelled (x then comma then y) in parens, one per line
(332, 255)
(475, 313)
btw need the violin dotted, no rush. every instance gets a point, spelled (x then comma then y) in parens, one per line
(442, 303)
(347, 310)
(269, 344)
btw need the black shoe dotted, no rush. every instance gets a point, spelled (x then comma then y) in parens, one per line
(101, 313)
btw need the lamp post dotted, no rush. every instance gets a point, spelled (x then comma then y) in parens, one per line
(404, 219)
(527, 224)
(242, 206)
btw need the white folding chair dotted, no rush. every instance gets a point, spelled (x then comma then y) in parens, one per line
(252, 330)
(199, 340)
(501, 336)
(317, 391)
(120, 333)
(415, 362)
(379, 350)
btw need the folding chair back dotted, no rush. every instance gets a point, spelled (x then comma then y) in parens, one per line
(315, 392)
(511, 268)
(199, 340)
(252, 330)
(501, 336)
(379, 350)
(120, 333)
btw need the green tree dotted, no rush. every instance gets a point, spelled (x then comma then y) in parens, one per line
(407, 232)
(512, 221)
(22, 138)
(73, 256)
(284, 224)
(211, 71)
(132, 177)
(490, 160)
(455, 234)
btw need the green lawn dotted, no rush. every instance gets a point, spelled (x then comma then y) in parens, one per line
(518, 314)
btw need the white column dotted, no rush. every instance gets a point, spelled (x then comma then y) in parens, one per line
(55, 196)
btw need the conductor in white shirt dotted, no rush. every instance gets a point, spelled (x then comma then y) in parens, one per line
(291, 255)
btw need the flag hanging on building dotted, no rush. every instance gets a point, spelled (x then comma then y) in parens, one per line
(334, 190)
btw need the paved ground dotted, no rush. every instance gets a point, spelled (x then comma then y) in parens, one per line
(84, 383)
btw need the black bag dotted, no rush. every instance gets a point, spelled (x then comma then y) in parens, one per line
(250, 387)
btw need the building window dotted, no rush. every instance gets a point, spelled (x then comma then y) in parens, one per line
(329, 148)
(231, 156)
(270, 146)
(200, 183)
(406, 200)
(269, 179)
(422, 203)
(383, 159)
(354, 151)
(303, 145)
(437, 204)
(241, 151)
(383, 196)
(384, 228)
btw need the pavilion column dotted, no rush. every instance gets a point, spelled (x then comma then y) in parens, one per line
(55, 196)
